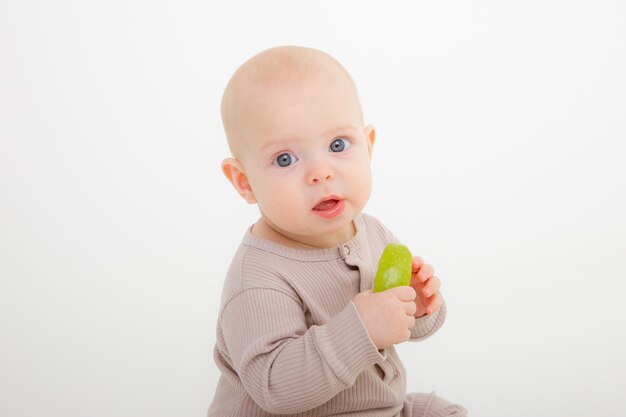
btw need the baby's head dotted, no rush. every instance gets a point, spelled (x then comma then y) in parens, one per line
(299, 147)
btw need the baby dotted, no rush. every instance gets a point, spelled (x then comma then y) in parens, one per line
(300, 331)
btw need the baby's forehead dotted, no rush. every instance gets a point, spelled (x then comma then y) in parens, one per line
(272, 73)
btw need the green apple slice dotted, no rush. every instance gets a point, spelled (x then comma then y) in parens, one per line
(394, 268)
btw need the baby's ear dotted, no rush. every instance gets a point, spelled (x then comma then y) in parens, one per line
(233, 170)
(370, 136)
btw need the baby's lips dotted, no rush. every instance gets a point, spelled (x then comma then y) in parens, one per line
(326, 203)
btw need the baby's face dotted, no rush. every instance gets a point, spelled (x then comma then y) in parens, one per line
(307, 158)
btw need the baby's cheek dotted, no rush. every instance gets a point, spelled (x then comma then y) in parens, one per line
(362, 183)
(282, 201)
(269, 190)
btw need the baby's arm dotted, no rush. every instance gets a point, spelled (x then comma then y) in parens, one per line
(285, 367)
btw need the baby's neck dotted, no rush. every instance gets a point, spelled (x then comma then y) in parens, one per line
(264, 230)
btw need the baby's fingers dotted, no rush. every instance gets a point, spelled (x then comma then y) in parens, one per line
(410, 321)
(425, 272)
(417, 263)
(431, 286)
(434, 304)
(410, 308)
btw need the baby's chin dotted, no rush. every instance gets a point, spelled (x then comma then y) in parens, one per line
(314, 232)
(330, 233)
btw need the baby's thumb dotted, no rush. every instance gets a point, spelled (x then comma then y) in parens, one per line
(404, 292)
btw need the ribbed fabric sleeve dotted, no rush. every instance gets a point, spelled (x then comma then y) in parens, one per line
(285, 367)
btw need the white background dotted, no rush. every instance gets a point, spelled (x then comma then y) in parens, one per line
(499, 159)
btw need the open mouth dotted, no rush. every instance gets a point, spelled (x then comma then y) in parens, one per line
(329, 208)
(326, 205)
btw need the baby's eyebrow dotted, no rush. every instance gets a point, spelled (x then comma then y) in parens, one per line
(341, 129)
(275, 142)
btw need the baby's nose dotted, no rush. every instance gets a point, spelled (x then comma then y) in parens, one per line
(319, 174)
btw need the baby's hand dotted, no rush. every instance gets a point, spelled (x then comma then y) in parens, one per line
(388, 316)
(428, 300)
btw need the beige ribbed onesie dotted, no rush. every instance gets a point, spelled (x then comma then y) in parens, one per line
(290, 340)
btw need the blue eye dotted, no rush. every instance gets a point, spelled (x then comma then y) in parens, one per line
(339, 145)
(285, 159)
